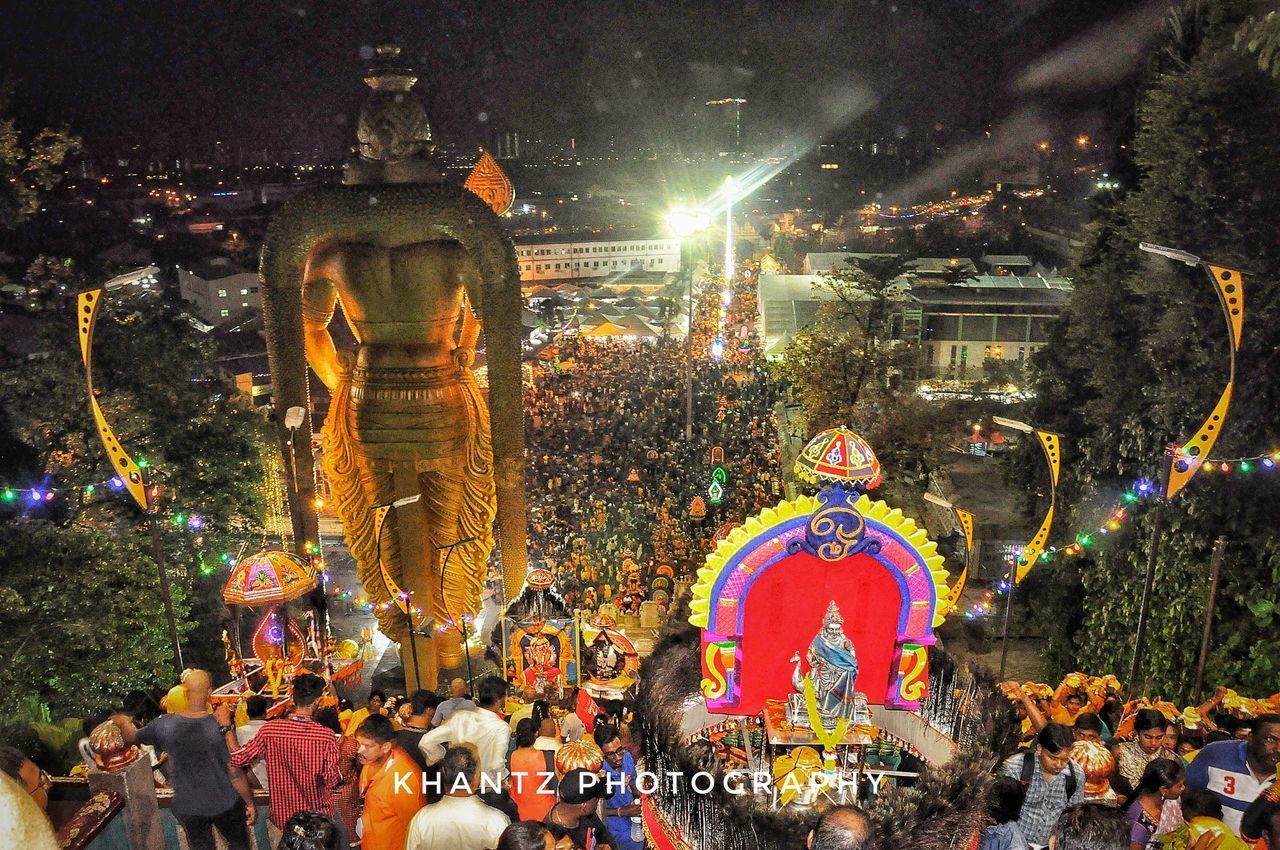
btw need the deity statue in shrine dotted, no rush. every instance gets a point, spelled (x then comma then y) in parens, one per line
(419, 267)
(833, 670)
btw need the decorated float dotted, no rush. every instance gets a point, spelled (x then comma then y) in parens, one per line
(279, 647)
(548, 649)
(804, 675)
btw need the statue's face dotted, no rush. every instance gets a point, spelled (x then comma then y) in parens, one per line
(540, 653)
(833, 631)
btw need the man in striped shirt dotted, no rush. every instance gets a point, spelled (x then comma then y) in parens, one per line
(300, 754)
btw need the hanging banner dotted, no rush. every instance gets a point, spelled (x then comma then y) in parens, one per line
(966, 525)
(1052, 445)
(1190, 458)
(1049, 441)
(952, 598)
(1031, 552)
(399, 597)
(1230, 287)
(126, 469)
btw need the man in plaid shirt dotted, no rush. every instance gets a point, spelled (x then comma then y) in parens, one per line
(1052, 782)
(301, 757)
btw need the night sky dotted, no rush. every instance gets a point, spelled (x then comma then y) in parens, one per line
(276, 75)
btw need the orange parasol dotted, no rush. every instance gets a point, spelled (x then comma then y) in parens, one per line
(269, 578)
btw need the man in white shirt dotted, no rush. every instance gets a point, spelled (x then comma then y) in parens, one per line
(484, 729)
(256, 707)
(460, 820)
(457, 701)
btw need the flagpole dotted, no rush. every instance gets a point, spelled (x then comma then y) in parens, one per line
(1153, 555)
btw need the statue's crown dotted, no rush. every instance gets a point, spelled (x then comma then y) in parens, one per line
(832, 615)
(387, 73)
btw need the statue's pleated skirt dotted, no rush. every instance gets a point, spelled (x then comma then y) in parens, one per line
(422, 415)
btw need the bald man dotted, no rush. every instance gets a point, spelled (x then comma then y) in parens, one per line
(842, 828)
(207, 793)
(457, 701)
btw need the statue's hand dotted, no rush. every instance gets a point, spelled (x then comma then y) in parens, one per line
(346, 360)
(464, 356)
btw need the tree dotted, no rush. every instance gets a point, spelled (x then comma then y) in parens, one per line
(783, 248)
(1261, 37)
(1138, 359)
(156, 387)
(79, 622)
(848, 353)
(28, 166)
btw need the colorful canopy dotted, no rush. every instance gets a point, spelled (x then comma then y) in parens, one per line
(269, 578)
(838, 454)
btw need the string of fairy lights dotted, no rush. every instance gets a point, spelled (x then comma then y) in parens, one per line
(1133, 499)
(26, 498)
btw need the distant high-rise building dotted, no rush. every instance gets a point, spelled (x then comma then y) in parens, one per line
(507, 145)
(724, 125)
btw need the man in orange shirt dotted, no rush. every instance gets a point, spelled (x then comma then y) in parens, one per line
(390, 786)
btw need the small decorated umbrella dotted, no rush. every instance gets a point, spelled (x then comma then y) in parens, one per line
(838, 455)
(578, 755)
(269, 578)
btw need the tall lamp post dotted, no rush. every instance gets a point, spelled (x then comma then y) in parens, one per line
(1183, 462)
(685, 224)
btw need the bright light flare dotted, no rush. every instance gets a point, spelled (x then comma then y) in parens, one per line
(685, 223)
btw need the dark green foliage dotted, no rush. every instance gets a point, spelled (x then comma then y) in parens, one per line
(1139, 359)
(80, 617)
(847, 358)
(30, 164)
(82, 620)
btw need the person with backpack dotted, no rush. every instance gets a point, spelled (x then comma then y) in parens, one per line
(1051, 780)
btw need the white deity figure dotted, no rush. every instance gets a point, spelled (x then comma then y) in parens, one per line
(833, 668)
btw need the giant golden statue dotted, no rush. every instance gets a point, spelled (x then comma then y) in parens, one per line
(418, 267)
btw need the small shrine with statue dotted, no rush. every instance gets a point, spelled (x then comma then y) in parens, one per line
(548, 649)
(814, 624)
(539, 639)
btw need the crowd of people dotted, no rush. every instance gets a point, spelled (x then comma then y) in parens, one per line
(426, 772)
(1204, 777)
(607, 447)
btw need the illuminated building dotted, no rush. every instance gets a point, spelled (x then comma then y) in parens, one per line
(551, 258)
(988, 317)
(961, 327)
(724, 125)
(221, 291)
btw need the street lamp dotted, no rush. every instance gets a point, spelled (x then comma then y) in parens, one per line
(685, 224)
(146, 276)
